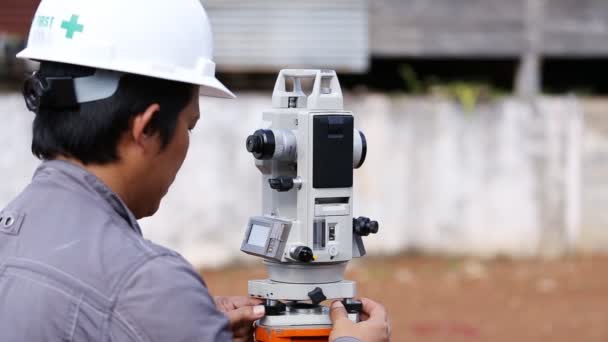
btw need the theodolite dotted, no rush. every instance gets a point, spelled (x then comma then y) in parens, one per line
(306, 151)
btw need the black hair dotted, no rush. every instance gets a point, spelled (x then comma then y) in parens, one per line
(90, 132)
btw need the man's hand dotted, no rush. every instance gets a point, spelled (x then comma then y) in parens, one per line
(242, 312)
(374, 327)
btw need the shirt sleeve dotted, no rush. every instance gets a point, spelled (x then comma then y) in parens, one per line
(166, 300)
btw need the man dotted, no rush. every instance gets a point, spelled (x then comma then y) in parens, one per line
(114, 110)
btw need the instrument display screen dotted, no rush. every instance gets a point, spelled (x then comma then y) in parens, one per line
(266, 237)
(258, 235)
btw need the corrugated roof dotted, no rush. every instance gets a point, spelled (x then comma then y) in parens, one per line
(270, 34)
(16, 16)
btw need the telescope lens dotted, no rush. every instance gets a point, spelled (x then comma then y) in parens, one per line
(261, 144)
(254, 144)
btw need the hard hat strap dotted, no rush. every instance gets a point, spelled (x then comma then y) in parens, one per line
(101, 85)
(68, 92)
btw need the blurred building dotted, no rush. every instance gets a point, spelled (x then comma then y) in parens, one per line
(272, 34)
(488, 28)
(16, 16)
(266, 35)
(15, 20)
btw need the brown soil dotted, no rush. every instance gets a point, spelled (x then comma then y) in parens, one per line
(432, 299)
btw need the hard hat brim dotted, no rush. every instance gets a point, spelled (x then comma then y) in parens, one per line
(214, 88)
(209, 85)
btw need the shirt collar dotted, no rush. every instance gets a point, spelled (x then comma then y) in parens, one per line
(87, 181)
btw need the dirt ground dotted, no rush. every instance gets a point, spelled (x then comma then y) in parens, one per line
(433, 299)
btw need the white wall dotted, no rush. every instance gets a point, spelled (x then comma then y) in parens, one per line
(504, 179)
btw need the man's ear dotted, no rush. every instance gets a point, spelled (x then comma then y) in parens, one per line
(141, 130)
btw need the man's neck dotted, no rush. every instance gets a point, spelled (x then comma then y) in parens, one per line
(112, 175)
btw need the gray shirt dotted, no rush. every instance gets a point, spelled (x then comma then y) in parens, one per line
(75, 267)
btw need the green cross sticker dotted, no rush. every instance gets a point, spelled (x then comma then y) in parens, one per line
(72, 27)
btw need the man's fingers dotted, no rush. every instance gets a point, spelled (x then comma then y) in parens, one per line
(240, 302)
(375, 311)
(245, 315)
(337, 312)
(226, 304)
(223, 303)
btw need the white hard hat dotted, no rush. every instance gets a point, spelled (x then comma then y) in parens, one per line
(163, 39)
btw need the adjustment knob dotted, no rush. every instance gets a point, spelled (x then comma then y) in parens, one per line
(364, 226)
(302, 254)
(274, 307)
(360, 149)
(317, 296)
(281, 184)
(352, 305)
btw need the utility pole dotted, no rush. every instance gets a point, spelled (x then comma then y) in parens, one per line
(528, 81)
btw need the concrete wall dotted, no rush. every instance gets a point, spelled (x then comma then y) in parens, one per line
(594, 216)
(506, 178)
